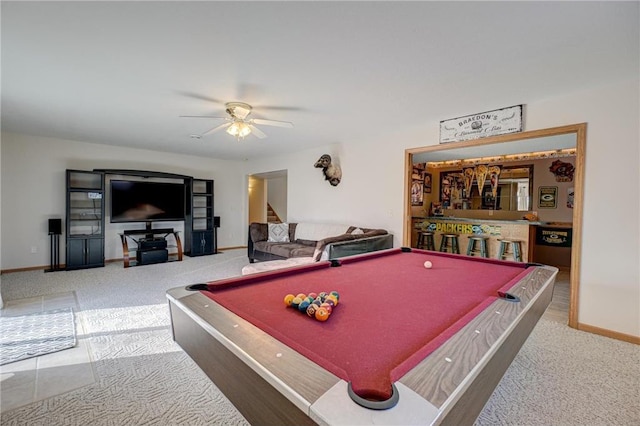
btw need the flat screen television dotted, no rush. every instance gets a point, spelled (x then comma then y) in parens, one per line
(140, 201)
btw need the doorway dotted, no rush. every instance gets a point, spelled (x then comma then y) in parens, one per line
(267, 194)
(514, 143)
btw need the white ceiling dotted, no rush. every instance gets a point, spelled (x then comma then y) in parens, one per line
(121, 73)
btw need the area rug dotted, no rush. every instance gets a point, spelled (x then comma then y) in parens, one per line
(31, 335)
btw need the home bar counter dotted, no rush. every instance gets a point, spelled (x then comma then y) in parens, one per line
(494, 229)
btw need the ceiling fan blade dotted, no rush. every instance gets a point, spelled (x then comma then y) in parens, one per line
(202, 116)
(259, 133)
(200, 97)
(277, 108)
(276, 123)
(215, 129)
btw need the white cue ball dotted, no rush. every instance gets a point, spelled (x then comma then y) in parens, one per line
(428, 264)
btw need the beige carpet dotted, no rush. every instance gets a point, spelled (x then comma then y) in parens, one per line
(560, 377)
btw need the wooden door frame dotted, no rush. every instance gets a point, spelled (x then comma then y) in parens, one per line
(580, 130)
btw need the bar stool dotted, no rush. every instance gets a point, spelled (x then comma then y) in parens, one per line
(471, 248)
(426, 241)
(510, 247)
(449, 242)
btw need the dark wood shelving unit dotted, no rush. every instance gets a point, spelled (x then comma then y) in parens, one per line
(84, 230)
(199, 223)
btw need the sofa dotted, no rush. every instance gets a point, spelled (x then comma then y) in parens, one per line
(315, 241)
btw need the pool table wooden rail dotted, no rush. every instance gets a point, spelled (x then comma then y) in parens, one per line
(241, 360)
(262, 377)
(473, 361)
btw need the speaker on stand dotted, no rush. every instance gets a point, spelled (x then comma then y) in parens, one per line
(216, 225)
(55, 229)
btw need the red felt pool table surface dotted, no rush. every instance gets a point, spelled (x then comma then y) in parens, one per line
(393, 313)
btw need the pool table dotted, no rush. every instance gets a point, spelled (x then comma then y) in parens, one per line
(405, 344)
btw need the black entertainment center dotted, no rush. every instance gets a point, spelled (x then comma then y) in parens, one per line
(148, 197)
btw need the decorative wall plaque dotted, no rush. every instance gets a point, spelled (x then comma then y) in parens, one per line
(482, 125)
(548, 197)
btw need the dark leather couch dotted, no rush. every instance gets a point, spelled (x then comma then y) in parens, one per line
(354, 241)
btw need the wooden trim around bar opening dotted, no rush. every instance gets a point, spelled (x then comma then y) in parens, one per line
(580, 130)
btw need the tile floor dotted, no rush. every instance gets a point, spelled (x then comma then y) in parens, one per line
(42, 377)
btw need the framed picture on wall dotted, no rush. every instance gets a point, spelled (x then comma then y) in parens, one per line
(451, 186)
(548, 197)
(416, 192)
(427, 183)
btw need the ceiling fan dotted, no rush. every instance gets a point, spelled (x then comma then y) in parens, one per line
(238, 123)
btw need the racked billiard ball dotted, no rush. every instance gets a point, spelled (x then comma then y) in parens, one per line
(302, 307)
(288, 299)
(311, 310)
(296, 302)
(322, 314)
(327, 306)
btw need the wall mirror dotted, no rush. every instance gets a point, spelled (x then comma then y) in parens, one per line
(551, 139)
(514, 191)
(511, 189)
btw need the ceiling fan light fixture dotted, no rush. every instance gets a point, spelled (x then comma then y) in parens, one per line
(239, 129)
(237, 123)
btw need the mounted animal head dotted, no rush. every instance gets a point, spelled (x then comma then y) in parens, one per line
(332, 172)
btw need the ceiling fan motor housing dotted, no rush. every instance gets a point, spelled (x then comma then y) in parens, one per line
(238, 110)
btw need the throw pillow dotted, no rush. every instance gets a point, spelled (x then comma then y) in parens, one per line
(357, 231)
(278, 233)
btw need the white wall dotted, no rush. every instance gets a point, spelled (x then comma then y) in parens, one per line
(610, 276)
(33, 185)
(371, 191)
(367, 196)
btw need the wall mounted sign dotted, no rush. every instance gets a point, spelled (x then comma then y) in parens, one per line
(555, 237)
(482, 125)
(562, 171)
(460, 228)
(548, 197)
